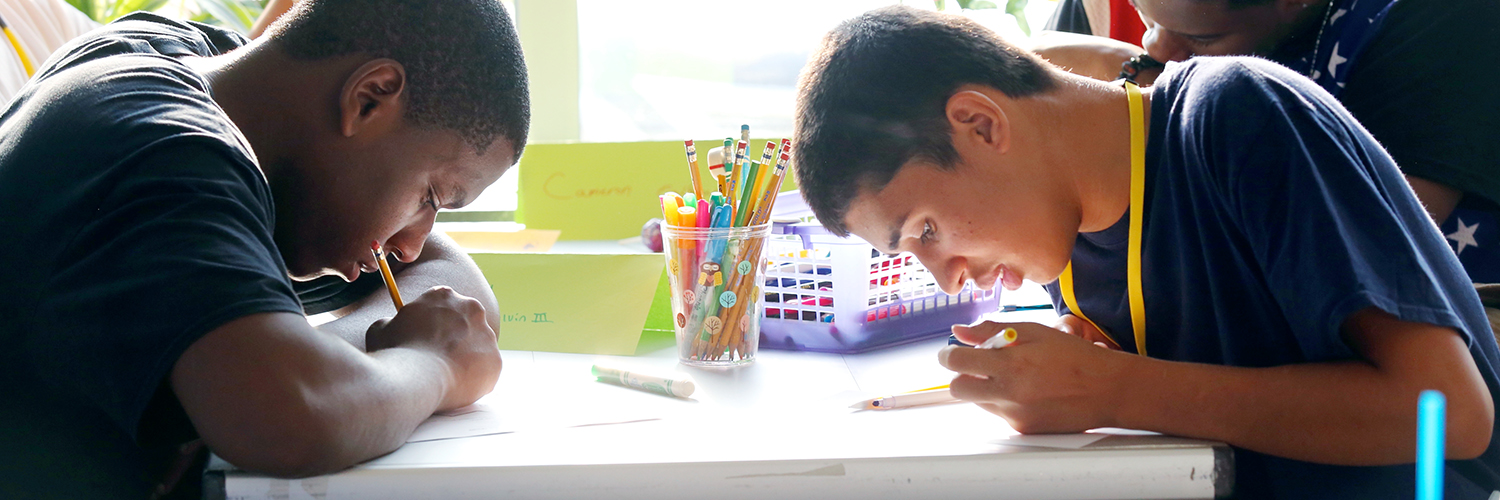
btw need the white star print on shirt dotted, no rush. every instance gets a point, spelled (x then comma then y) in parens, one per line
(1334, 60)
(1464, 236)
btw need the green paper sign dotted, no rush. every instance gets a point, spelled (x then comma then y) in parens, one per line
(578, 303)
(607, 191)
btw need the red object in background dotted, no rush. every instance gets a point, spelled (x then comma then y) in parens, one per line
(885, 312)
(1124, 23)
(775, 312)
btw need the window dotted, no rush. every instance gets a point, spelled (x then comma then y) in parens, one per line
(669, 69)
(664, 70)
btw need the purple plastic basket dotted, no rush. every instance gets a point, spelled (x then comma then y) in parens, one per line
(829, 294)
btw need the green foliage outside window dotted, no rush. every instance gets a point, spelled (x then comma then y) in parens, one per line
(238, 15)
(1016, 8)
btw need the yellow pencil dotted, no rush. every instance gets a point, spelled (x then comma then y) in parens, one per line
(692, 158)
(385, 271)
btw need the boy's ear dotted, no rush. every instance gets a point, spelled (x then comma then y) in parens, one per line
(979, 120)
(372, 97)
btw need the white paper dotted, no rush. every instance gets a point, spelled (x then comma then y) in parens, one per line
(473, 420)
(482, 419)
(1065, 441)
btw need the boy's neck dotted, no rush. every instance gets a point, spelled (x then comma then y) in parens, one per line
(1091, 142)
(274, 100)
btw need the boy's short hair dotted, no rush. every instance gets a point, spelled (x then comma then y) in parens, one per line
(463, 61)
(875, 97)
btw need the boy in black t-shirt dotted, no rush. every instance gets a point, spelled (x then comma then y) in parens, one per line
(1413, 72)
(165, 182)
(1263, 273)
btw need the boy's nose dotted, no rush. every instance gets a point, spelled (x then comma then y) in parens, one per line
(1164, 46)
(406, 245)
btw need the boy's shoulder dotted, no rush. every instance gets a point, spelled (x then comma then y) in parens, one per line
(1238, 83)
(1217, 108)
(126, 87)
(145, 32)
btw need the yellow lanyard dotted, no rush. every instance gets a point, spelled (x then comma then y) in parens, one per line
(20, 52)
(1137, 213)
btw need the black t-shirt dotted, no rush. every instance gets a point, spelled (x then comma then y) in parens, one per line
(1270, 217)
(1424, 88)
(136, 221)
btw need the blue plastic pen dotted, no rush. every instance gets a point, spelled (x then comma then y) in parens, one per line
(1432, 416)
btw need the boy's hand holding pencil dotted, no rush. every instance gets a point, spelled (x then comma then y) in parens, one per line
(450, 329)
(1046, 381)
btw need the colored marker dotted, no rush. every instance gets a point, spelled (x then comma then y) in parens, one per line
(1004, 338)
(688, 216)
(680, 387)
(939, 394)
(932, 397)
(1432, 416)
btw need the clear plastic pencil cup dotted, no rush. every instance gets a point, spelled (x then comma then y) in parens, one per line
(716, 276)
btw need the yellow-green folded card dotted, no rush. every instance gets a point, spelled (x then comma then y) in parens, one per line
(578, 303)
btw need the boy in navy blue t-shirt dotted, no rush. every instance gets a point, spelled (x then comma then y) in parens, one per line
(1262, 274)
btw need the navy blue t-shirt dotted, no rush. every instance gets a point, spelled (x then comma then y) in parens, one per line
(1271, 216)
(136, 221)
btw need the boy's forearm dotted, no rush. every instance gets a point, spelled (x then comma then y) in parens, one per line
(1349, 413)
(400, 389)
(269, 394)
(1325, 412)
(442, 262)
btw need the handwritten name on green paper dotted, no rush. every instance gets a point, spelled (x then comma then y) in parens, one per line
(559, 186)
(579, 303)
(606, 191)
(524, 318)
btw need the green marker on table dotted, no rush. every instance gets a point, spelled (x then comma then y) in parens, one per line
(675, 387)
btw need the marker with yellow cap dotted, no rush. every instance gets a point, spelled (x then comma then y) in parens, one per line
(939, 394)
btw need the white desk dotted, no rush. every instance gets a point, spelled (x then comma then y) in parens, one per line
(779, 428)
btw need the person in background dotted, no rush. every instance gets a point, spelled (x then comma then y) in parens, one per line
(273, 11)
(1117, 28)
(1412, 72)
